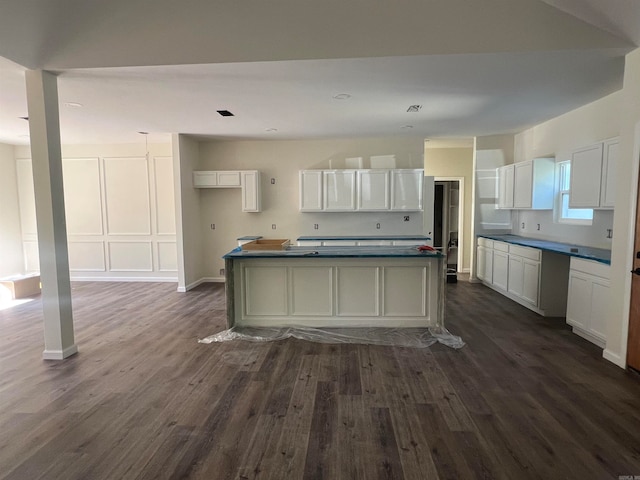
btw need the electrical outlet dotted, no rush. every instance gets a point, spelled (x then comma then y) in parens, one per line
(315, 226)
(523, 225)
(273, 181)
(222, 271)
(378, 226)
(609, 233)
(273, 226)
(406, 218)
(538, 227)
(213, 226)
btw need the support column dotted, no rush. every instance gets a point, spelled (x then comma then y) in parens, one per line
(46, 157)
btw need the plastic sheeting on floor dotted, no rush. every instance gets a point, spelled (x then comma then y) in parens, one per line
(400, 337)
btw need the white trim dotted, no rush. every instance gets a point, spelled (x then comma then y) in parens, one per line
(124, 279)
(60, 354)
(466, 270)
(613, 358)
(200, 281)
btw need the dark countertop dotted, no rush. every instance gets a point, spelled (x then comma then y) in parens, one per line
(588, 253)
(320, 238)
(334, 252)
(249, 238)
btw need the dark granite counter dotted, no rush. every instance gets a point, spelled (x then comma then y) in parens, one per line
(588, 253)
(335, 252)
(362, 237)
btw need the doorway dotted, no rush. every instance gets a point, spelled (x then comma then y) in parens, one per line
(448, 215)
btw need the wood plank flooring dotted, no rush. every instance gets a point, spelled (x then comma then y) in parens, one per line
(524, 399)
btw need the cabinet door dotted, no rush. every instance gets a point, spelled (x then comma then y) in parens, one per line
(339, 188)
(523, 184)
(228, 179)
(481, 264)
(530, 281)
(599, 307)
(373, 190)
(608, 184)
(505, 186)
(579, 300)
(586, 172)
(500, 269)
(251, 201)
(311, 190)
(406, 189)
(205, 179)
(516, 275)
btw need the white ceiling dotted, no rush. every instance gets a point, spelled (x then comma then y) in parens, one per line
(477, 68)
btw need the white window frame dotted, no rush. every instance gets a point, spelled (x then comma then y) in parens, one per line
(562, 174)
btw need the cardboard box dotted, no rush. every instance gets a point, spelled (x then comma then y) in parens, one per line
(22, 286)
(267, 244)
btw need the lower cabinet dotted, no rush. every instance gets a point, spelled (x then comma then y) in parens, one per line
(588, 298)
(529, 276)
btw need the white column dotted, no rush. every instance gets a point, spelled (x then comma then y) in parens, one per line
(44, 126)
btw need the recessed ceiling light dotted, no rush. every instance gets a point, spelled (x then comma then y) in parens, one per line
(342, 96)
(271, 130)
(225, 113)
(406, 126)
(414, 108)
(72, 104)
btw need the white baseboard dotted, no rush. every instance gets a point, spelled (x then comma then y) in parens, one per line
(124, 279)
(201, 281)
(613, 358)
(60, 354)
(466, 270)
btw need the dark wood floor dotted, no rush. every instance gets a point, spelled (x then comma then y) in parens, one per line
(524, 399)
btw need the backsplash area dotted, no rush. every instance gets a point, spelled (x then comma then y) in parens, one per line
(594, 235)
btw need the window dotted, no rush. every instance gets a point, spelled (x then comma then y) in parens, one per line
(578, 216)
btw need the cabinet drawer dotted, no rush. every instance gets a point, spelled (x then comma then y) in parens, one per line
(590, 267)
(526, 252)
(485, 242)
(501, 246)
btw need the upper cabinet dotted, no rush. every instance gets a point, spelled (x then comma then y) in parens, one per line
(339, 189)
(527, 185)
(406, 189)
(372, 190)
(216, 179)
(592, 183)
(505, 186)
(248, 180)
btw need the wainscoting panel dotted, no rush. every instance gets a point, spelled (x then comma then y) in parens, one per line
(165, 204)
(130, 257)
(26, 197)
(167, 257)
(127, 196)
(86, 257)
(82, 198)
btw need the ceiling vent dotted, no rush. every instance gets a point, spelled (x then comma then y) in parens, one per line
(225, 113)
(414, 108)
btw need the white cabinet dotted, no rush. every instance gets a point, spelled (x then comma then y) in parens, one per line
(586, 168)
(311, 191)
(530, 281)
(251, 193)
(516, 270)
(608, 183)
(485, 264)
(505, 186)
(216, 179)
(533, 186)
(339, 190)
(365, 190)
(373, 190)
(500, 269)
(406, 189)
(588, 299)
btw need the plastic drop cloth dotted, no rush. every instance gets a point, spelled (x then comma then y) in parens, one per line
(401, 337)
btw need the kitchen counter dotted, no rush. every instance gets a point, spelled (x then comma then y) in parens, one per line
(588, 253)
(363, 237)
(335, 252)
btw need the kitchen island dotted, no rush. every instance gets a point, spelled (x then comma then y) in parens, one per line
(379, 286)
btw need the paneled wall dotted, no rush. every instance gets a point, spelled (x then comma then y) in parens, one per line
(120, 216)
(10, 236)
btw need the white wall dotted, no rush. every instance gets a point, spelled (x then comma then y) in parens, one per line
(186, 154)
(119, 211)
(11, 259)
(282, 160)
(455, 162)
